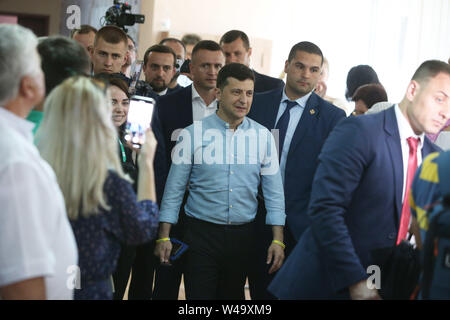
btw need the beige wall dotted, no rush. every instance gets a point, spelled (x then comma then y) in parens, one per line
(211, 19)
(50, 8)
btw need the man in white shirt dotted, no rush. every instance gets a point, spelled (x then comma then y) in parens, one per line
(37, 248)
(359, 201)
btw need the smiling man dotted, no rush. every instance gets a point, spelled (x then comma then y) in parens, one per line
(304, 121)
(222, 201)
(110, 50)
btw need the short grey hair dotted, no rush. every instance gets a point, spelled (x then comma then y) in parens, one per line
(16, 48)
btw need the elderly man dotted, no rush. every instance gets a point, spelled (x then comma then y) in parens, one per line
(38, 247)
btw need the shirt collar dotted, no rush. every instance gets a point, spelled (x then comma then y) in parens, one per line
(301, 101)
(223, 124)
(196, 96)
(404, 128)
(162, 92)
(18, 124)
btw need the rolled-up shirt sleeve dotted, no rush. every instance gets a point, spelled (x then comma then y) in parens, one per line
(178, 178)
(272, 184)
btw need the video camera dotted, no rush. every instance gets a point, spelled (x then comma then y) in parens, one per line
(120, 15)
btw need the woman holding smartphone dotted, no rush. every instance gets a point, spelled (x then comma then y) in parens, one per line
(79, 140)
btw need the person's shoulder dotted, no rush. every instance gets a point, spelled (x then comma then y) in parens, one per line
(261, 76)
(178, 95)
(252, 124)
(326, 106)
(267, 97)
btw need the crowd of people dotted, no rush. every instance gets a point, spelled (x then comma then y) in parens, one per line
(242, 176)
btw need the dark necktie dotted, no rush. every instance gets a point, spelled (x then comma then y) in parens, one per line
(282, 124)
(412, 166)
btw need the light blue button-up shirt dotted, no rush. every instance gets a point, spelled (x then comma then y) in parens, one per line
(222, 169)
(294, 117)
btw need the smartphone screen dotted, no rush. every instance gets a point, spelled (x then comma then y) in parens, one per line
(139, 118)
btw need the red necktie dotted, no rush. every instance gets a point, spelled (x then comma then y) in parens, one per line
(412, 166)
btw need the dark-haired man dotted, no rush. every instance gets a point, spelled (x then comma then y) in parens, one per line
(174, 112)
(359, 200)
(304, 121)
(85, 36)
(61, 58)
(159, 67)
(236, 47)
(109, 51)
(180, 50)
(238, 155)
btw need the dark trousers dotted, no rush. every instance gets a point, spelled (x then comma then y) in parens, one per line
(218, 259)
(145, 262)
(147, 267)
(258, 276)
(122, 273)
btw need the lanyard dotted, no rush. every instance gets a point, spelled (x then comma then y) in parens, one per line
(124, 156)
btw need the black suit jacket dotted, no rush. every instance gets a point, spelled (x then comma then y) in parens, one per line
(173, 111)
(266, 83)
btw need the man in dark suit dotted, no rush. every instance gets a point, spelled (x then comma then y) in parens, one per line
(360, 184)
(180, 50)
(174, 112)
(309, 122)
(236, 47)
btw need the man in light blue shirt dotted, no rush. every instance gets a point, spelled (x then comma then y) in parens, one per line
(222, 160)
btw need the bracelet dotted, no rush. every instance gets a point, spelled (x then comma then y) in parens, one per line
(162, 240)
(279, 243)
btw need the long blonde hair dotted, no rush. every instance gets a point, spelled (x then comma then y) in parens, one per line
(78, 139)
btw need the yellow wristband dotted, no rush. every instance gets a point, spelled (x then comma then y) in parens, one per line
(279, 243)
(162, 240)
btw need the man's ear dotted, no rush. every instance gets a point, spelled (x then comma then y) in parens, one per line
(31, 90)
(249, 51)
(412, 90)
(91, 52)
(286, 64)
(217, 92)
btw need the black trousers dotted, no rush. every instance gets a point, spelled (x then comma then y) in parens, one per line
(218, 259)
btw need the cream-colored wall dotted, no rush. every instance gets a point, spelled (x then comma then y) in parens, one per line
(50, 8)
(210, 20)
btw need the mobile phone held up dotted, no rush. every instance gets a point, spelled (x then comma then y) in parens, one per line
(139, 119)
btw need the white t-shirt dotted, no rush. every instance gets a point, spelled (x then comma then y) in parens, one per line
(199, 108)
(36, 239)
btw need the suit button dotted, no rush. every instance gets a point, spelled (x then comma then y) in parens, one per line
(392, 235)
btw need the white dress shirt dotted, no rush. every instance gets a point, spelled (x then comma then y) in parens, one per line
(294, 117)
(36, 239)
(199, 108)
(405, 131)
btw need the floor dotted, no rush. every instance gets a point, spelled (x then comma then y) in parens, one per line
(181, 295)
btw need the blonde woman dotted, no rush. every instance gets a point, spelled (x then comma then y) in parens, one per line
(78, 139)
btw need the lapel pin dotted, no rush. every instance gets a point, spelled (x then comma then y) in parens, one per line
(312, 111)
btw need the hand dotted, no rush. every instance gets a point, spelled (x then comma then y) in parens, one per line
(148, 149)
(321, 88)
(360, 291)
(275, 254)
(162, 250)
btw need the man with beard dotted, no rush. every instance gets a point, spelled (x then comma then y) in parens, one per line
(159, 67)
